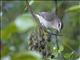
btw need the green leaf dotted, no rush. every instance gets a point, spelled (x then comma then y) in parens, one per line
(71, 55)
(27, 55)
(6, 32)
(67, 55)
(24, 22)
(75, 8)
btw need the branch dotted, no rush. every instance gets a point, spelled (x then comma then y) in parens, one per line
(56, 6)
(31, 11)
(61, 9)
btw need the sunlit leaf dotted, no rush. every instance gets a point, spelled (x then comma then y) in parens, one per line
(67, 55)
(24, 22)
(31, 2)
(75, 8)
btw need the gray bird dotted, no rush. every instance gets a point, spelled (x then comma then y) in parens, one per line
(50, 20)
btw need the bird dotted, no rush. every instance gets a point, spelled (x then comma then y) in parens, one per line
(50, 20)
(41, 39)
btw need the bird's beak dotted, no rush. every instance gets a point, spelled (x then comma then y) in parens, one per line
(59, 30)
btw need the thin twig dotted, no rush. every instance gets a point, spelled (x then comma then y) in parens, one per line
(57, 41)
(56, 31)
(31, 11)
(56, 7)
(55, 34)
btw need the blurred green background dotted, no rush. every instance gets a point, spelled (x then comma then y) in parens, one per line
(16, 24)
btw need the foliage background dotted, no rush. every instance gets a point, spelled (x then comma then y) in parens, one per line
(16, 23)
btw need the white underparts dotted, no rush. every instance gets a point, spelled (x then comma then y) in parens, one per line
(42, 20)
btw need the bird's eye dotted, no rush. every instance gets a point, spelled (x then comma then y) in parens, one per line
(59, 25)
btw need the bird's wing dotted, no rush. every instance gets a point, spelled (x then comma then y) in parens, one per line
(48, 16)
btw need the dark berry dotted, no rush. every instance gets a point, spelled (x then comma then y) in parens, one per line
(42, 47)
(52, 56)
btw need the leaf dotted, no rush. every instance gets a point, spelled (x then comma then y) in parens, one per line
(71, 55)
(27, 55)
(24, 22)
(6, 32)
(75, 8)
(67, 55)
(31, 2)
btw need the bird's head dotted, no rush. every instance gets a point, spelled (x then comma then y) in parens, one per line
(50, 20)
